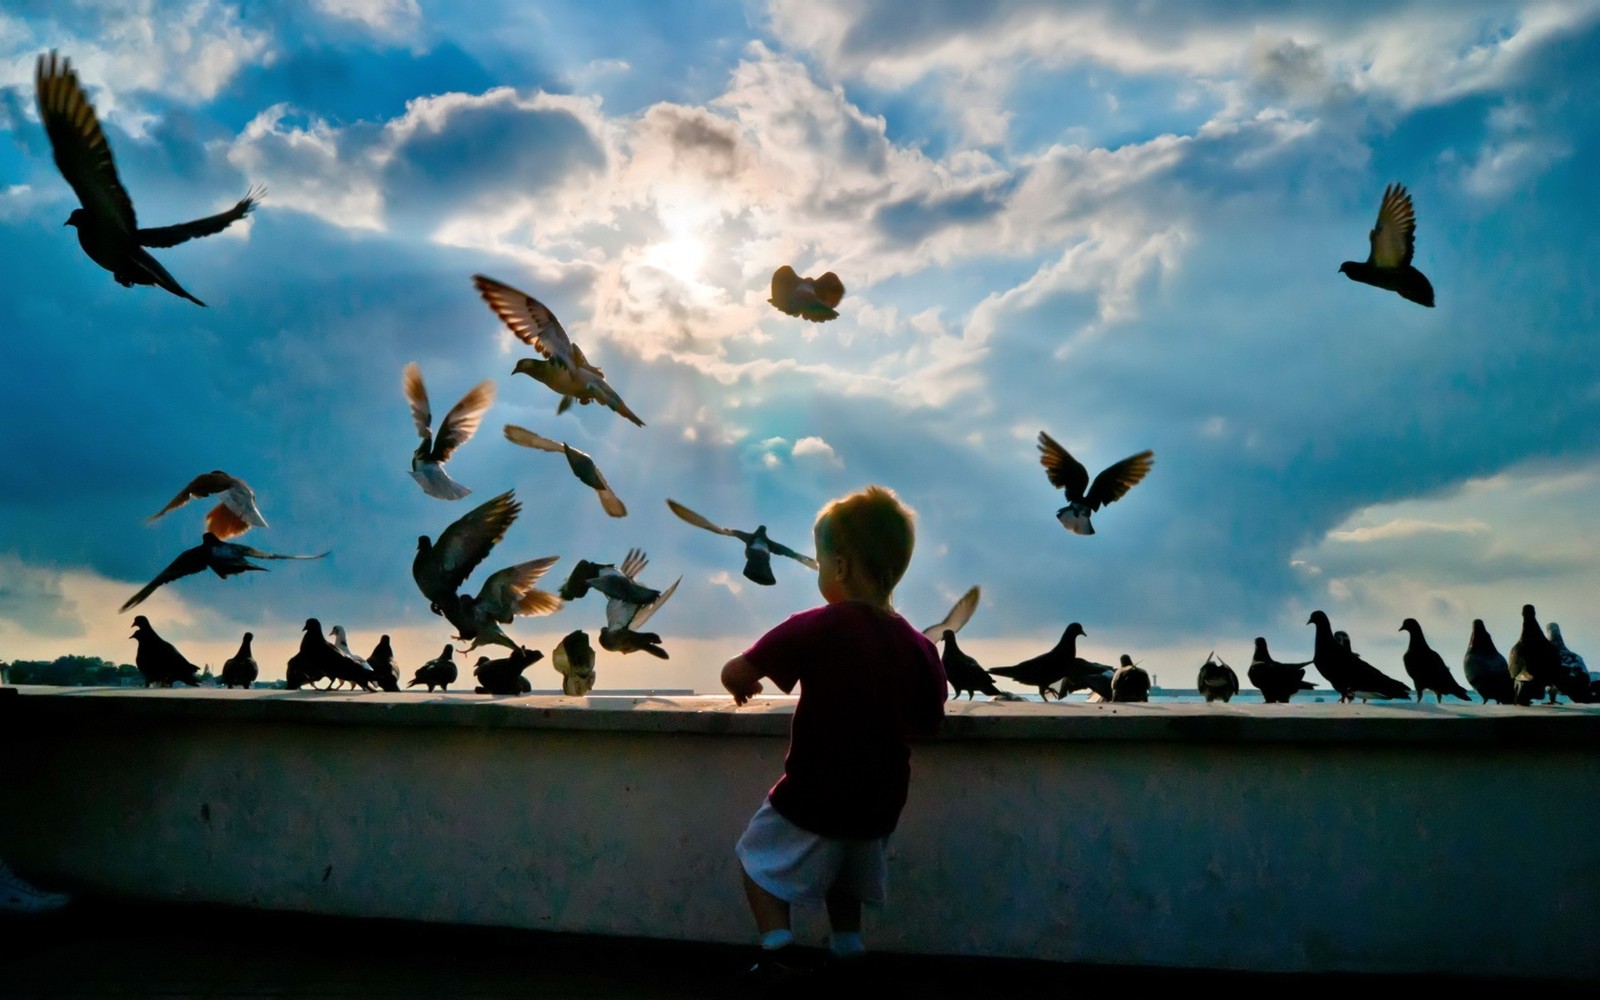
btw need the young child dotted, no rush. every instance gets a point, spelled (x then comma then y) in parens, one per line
(868, 681)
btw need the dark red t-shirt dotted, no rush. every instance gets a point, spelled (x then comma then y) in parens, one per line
(868, 682)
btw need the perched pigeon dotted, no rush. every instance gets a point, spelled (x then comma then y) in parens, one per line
(814, 299)
(1049, 668)
(107, 228)
(240, 669)
(440, 568)
(959, 615)
(316, 660)
(1576, 670)
(427, 462)
(159, 660)
(1394, 240)
(504, 676)
(348, 667)
(580, 463)
(236, 514)
(573, 658)
(965, 673)
(386, 671)
(1535, 665)
(1346, 672)
(758, 548)
(1067, 473)
(1426, 667)
(1130, 682)
(440, 672)
(1216, 680)
(566, 371)
(1277, 682)
(222, 558)
(1486, 669)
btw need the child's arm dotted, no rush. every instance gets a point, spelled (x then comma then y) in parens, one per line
(741, 679)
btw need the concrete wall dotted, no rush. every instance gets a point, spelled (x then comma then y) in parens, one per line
(1274, 838)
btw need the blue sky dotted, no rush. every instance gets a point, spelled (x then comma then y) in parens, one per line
(1118, 224)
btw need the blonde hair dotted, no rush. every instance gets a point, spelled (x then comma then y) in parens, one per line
(875, 529)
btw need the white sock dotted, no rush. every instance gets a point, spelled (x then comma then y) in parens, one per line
(844, 944)
(773, 940)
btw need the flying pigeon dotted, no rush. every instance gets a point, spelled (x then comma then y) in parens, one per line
(386, 671)
(1577, 671)
(1216, 680)
(1487, 670)
(236, 514)
(1048, 668)
(240, 669)
(814, 299)
(107, 228)
(565, 370)
(1394, 240)
(1067, 473)
(159, 660)
(440, 568)
(1346, 672)
(1130, 682)
(440, 671)
(1277, 682)
(585, 572)
(959, 615)
(573, 658)
(628, 606)
(965, 673)
(581, 465)
(758, 548)
(504, 676)
(1426, 667)
(427, 462)
(222, 558)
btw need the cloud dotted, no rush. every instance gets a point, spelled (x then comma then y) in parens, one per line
(815, 447)
(386, 18)
(1405, 528)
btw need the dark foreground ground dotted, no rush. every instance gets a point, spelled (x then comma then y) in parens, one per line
(102, 949)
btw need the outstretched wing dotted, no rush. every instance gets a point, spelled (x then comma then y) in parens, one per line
(531, 321)
(463, 545)
(82, 154)
(509, 592)
(829, 289)
(1064, 471)
(698, 521)
(189, 561)
(1120, 478)
(634, 563)
(528, 439)
(224, 523)
(958, 616)
(250, 553)
(203, 485)
(784, 281)
(645, 612)
(1394, 236)
(784, 550)
(168, 236)
(462, 420)
(417, 396)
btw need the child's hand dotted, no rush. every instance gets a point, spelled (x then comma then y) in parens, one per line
(741, 680)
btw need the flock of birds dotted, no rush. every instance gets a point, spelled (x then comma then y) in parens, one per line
(109, 233)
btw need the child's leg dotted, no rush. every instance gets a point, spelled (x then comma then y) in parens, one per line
(844, 911)
(771, 913)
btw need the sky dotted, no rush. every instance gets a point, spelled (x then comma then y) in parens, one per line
(1121, 224)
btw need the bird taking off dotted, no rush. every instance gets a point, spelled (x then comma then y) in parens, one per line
(1394, 240)
(1068, 474)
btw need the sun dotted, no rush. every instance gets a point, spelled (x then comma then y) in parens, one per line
(679, 256)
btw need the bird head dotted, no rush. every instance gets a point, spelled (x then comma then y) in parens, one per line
(1410, 625)
(948, 635)
(1072, 630)
(312, 625)
(1261, 646)
(1319, 618)
(449, 652)
(1347, 267)
(1127, 661)
(1555, 633)
(77, 218)
(424, 543)
(140, 623)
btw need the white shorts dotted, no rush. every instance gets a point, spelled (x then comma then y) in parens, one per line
(795, 864)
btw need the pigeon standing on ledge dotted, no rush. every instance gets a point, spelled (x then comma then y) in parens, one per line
(240, 669)
(965, 673)
(1216, 680)
(440, 672)
(1050, 667)
(1130, 682)
(1346, 672)
(159, 660)
(1426, 667)
(573, 659)
(1486, 669)
(1277, 682)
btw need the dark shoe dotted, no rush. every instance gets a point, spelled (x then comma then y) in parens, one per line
(779, 972)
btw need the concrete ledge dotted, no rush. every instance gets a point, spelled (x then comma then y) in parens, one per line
(1316, 838)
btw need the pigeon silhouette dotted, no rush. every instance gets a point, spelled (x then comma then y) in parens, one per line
(1277, 682)
(108, 229)
(427, 462)
(1048, 668)
(240, 669)
(440, 568)
(1393, 239)
(1130, 682)
(581, 465)
(1068, 474)
(1426, 667)
(1486, 669)
(814, 299)
(758, 548)
(1577, 685)
(159, 660)
(233, 516)
(504, 676)
(1216, 680)
(1536, 668)
(960, 614)
(1346, 672)
(347, 667)
(315, 660)
(439, 672)
(573, 658)
(628, 607)
(222, 558)
(565, 370)
(965, 673)
(386, 671)
(617, 580)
